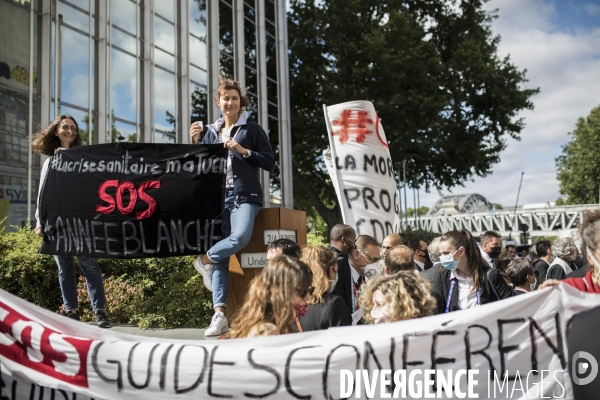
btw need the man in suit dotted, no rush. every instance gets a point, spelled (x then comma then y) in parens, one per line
(491, 246)
(419, 247)
(341, 241)
(363, 259)
(544, 250)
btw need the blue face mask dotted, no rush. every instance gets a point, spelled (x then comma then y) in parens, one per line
(449, 262)
(335, 281)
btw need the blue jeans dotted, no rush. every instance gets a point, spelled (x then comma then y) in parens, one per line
(238, 223)
(68, 281)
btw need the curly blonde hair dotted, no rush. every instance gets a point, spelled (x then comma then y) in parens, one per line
(46, 142)
(269, 298)
(407, 294)
(320, 260)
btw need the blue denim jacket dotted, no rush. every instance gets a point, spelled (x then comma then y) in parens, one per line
(246, 177)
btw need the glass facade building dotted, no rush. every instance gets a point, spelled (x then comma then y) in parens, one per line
(138, 71)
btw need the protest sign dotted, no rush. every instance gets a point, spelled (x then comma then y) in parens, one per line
(131, 200)
(361, 169)
(514, 348)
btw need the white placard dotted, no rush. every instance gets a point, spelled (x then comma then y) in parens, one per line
(253, 260)
(361, 169)
(273, 234)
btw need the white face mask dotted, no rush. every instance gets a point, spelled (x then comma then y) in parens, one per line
(381, 315)
(372, 270)
(532, 285)
(335, 281)
(572, 257)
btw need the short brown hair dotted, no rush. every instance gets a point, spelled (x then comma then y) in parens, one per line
(226, 84)
(400, 258)
(363, 241)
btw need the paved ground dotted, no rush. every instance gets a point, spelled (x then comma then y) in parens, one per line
(178, 333)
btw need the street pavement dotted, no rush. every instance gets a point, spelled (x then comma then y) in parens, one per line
(177, 333)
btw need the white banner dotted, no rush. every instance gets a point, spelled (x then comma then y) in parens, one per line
(359, 164)
(514, 348)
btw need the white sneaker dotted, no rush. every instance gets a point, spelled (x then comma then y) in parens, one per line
(218, 326)
(206, 272)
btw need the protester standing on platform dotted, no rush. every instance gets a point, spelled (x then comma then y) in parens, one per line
(326, 309)
(63, 134)
(276, 297)
(249, 151)
(463, 280)
(400, 296)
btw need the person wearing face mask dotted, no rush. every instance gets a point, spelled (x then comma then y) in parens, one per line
(491, 247)
(341, 242)
(325, 309)
(275, 299)
(364, 264)
(463, 280)
(421, 254)
(401, 296)
(565, 251)
(521, 274)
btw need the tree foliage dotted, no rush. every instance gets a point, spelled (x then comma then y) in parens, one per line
(446, 101)
(578, 165)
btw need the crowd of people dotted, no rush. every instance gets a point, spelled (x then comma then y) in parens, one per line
(358, 281)
(355, 280)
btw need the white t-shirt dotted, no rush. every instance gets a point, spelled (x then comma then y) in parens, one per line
(223, 137)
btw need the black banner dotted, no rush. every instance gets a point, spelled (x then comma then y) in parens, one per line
(133, 200)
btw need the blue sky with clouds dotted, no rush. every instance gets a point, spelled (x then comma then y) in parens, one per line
(558, 42)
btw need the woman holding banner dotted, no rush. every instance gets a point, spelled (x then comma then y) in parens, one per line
(463, 280)
(62, 134)
(249, 150)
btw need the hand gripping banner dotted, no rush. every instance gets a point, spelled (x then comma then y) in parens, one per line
(360, 166)
(510, 349)
(131, 200)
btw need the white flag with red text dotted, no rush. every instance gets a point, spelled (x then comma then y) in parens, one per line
(361, 169)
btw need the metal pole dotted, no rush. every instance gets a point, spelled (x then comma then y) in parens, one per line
(518, 193)
(404, 184)
(30, 122)
(415, 205)
(419, 207)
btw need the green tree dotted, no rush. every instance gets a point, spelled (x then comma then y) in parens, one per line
(446, 100)
(422, 211)
(578, 165)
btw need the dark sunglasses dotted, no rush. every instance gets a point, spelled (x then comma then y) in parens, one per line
(225, 83)
(373, 259)
(304, 291)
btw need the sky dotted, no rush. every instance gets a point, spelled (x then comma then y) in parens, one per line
(558, 43)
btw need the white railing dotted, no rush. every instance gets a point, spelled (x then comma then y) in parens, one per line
(541, 222)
